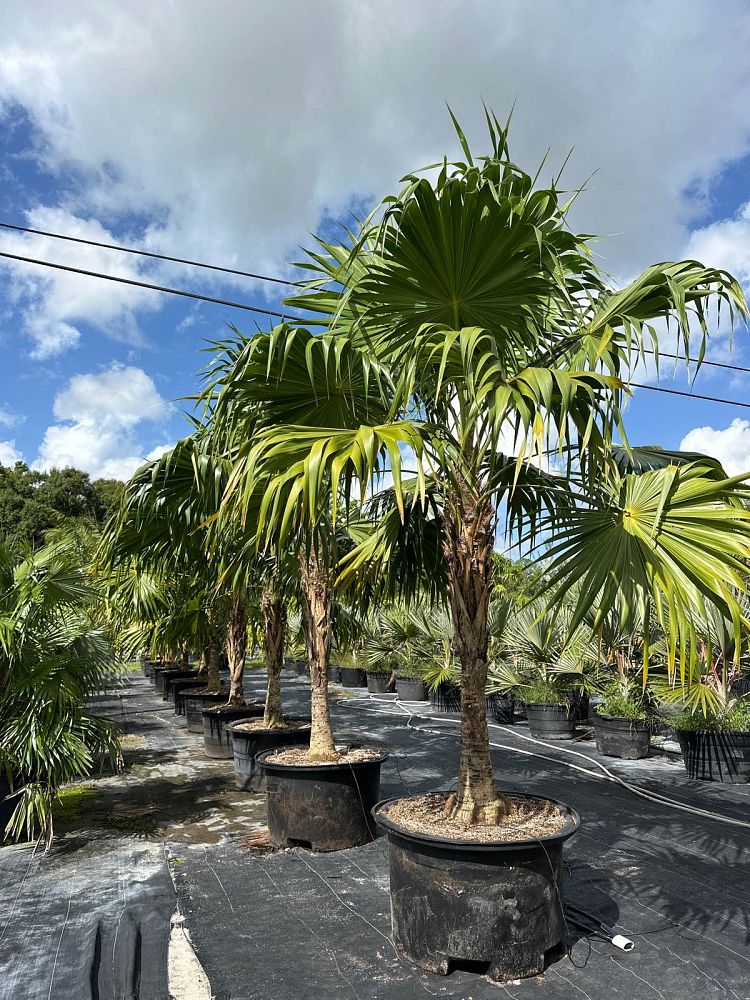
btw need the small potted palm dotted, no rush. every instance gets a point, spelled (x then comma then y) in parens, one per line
(624, 719)
(547, 670)
(712, 725)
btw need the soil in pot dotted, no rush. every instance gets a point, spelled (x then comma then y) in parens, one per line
(446, 698)
(251, 738)
(551, 722)
(721, 757)
(322, 806)
(411, 689)
(192, 701)
(500, 709)
(628, 739)
(353, 677)
(217, 737)
(378, 682)
(491, 896)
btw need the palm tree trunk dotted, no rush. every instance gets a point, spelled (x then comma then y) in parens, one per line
(236, 648)
(185, 658)
(318, 614)
(468, 550)
(212, 659)
(274, 628)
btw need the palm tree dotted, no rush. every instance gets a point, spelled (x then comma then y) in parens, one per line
(52, 659)
(481, 335)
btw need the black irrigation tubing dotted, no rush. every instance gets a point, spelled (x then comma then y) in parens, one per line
(688, 395)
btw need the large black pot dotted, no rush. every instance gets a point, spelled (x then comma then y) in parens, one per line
(411, 689)
(353, 677)
(176, 687)
(217, 737)
(325, 807)
(628, 739)
(551, 722)
(500, 709)
(170, 677)
(157, 670)
(247, 744)
(446, 698)
(300, 668)
(378, 682)
(334, 674)
(497, 905)
(160, 676)
(191, 703)
(721, 757)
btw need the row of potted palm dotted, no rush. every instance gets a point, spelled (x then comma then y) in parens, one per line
(463, 344)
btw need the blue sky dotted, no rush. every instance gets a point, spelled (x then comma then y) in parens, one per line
(225, 136)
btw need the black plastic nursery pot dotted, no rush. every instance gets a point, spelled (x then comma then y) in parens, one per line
(628, 739)
(500, 709)
(498, 906)
(192, 701)
(446, 698)
(248, 743)
(411, 689)
(334, 674)
(217, 738)
(326, 807)
(176, 687)
(156, 670)
(378, 681)
(162, 673)
(353, 677)
(170, 677)
(721, 757)
(551, 722)
(579, 703)
(300, 668)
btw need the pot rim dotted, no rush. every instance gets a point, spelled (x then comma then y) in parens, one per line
(618, 718)
(713, 732)
(319, 767)
(249, 733)
(220, 710)
(572, 824)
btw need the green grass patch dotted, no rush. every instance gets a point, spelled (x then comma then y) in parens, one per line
(71, 802)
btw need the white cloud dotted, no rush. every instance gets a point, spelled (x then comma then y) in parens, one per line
(248, 125)
(158, 451)
(9, 454)
(10, 419)
(55, 303)
(726, 244)
(731, 445)
(99, 414)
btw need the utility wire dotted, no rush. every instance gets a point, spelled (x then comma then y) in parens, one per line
(268, 277)
(688, 395)
(148, 253)
(300, 319)
(155, 288)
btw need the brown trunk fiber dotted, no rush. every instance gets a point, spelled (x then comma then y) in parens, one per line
(212, 657)
(203, 667)
(274, 627)
(185, 658)
(236, 648)
(468, 551)
(318, 615)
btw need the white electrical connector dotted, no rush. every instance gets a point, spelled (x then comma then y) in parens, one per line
(623, 943)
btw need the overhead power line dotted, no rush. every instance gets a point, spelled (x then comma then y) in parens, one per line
(259, 277)
(286, 316)
(149, 253)
(155, 288)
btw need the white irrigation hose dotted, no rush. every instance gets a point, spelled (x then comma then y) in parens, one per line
(607, 775)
